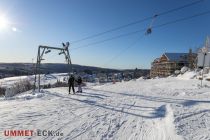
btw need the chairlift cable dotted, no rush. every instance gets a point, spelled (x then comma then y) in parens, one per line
(172, 22)
(138, 21)
(124, 50)
(142, 30)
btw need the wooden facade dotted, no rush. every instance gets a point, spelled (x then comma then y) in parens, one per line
(168, 63)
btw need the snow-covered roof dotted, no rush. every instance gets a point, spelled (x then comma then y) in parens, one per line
(176, 56)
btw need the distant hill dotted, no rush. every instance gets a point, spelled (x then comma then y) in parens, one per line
(17, 69)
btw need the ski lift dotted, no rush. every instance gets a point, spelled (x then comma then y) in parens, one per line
(149, 29)
(65, 46)
(48, 51)
(61, 52)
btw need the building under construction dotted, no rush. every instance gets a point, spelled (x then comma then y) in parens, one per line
(168, 63)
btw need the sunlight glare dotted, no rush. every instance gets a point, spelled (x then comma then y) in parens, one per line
(14, 29)
(3, 22)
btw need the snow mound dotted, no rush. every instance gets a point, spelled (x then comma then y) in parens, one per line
(30, 96)
(184, 69)
(177, 72)
(187, 75)
(26, 96)
(140, 79)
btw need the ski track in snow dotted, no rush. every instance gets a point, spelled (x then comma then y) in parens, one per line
(160, 109)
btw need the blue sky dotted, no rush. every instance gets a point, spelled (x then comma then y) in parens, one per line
(51, 22)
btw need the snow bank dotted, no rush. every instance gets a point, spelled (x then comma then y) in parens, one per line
(15, 78)
(17, 88)
(30, 96)
(140, 79)
(10, 81)
(9, 92)
(26, 96)
(184, 69)
(187, 75)
(177, 72)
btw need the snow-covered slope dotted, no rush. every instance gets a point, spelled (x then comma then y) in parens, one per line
(156, 109)
(45, 79)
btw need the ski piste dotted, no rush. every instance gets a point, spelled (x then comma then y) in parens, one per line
(167, 108)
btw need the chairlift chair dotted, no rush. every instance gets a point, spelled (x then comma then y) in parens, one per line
(149, 29)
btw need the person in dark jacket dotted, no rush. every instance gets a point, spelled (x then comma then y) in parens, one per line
(71, 84)
(79, 82)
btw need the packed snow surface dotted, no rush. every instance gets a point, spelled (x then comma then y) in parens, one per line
(156, 109)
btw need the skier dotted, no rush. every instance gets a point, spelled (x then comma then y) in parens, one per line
(71, 84)
(79, 82)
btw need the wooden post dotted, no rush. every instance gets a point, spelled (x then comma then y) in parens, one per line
(204, 57)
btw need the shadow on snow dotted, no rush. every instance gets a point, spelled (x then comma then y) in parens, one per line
(183, 102)
(151, 113)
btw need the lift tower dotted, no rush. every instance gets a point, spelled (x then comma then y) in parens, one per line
(47, 49)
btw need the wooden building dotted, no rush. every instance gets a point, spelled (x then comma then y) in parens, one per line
(168, 63)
